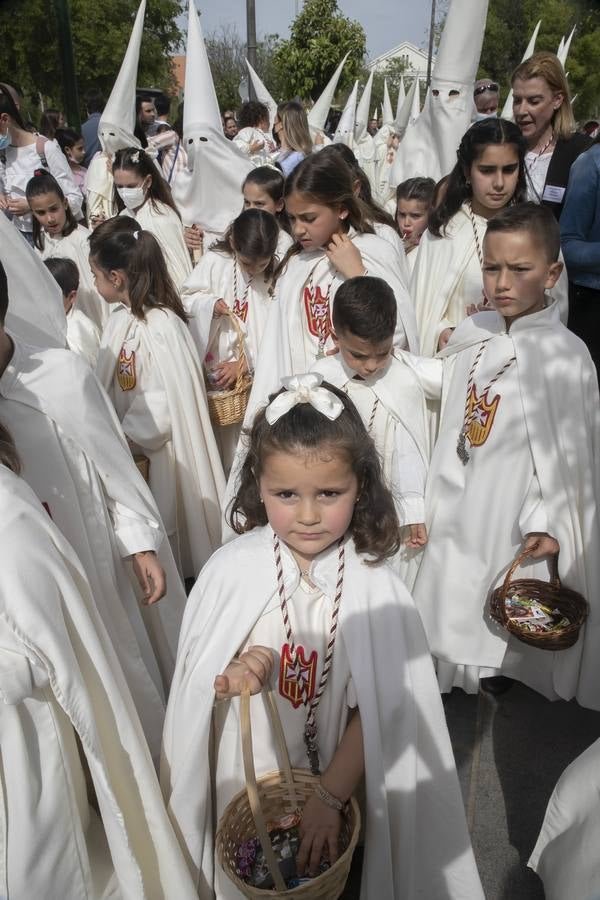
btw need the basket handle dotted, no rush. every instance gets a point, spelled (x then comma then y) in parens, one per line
(241, 349)
(250, 774)
(519, 559)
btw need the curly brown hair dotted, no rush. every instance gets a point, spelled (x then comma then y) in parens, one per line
(374, 527)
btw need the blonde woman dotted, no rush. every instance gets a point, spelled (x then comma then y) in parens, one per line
(291, 130)
(542, 110)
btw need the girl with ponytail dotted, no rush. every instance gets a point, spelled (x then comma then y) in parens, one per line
(150, 369)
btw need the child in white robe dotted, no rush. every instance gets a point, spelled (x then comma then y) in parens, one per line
(56, 233)
(389, 399)
(263, 189)
(150, 369)
(145, 195)
(446, 283)
(234, 277)
(515, 466)
(414, 200)
(63, 691)
(317, 525)
(82, 335)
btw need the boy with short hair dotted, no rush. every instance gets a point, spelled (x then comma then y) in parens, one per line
(387, 396)
(515, 465)
(83, 337)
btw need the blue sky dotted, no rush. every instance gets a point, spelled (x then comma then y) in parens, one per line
(386, 22)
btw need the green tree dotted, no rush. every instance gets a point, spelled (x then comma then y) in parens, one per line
(320, 36)
(100, 34)
(227, 56)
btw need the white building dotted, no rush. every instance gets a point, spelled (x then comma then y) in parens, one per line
(414, 59)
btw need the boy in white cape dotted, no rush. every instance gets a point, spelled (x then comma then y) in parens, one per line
(389, 399)
(83, 336)
(515, 464)
(75, 458)
(63, 690)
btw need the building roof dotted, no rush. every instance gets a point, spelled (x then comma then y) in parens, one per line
(414, 57)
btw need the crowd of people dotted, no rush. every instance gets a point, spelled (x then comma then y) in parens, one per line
(314, 394)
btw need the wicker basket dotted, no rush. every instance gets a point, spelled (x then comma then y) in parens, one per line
(229, 407)
(569, 603)
(271, 797)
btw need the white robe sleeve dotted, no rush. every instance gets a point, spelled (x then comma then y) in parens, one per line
(409, 474)
(147, 422)
(533, 517)
(132, 532)
(429, 372)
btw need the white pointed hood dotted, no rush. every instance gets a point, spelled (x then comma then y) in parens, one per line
(507, 110)
(117, 122)
(36, 313)
(208, 192)
(345, 131)
(403, 116)
(563, 50)
(401, 98)
(386, 110)
(429, 148)
(415, 106)
(318, 114)
(362, 110)
(262, 94)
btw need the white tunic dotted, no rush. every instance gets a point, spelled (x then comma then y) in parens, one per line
(100, 188)
(83, 336)
(161, 221)
(75, 246)
(96, 497)
(151, 372)
(61, 688)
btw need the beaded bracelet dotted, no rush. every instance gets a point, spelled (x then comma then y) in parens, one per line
(328, 799)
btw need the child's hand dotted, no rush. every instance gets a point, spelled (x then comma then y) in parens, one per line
(445, 336)
(255, 146)
(252, 668)
(319, 835)
(346, 258)
(226, 374)
(220, 309)
(193, 237)
(3, 201)
(544, 545)
(417, 536)
(150, 575)
(18, 206)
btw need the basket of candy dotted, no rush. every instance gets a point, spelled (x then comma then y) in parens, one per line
(257, 840)
(543, 614)
(229, 407)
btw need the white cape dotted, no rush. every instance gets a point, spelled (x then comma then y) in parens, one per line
(417, 844)
(59, 677)
(161, 221)
(75, 246)
(566, 853)
(199, 473)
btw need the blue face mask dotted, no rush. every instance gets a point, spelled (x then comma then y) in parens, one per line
(4, 141)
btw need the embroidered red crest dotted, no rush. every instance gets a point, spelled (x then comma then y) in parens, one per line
(241, 309)
(288, 683)
(480, 415)
(126, 370)
(317, 313)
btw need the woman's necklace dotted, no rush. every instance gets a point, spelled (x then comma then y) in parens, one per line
(535, 159)
(240, 308)
(477, 409)
(310, 727)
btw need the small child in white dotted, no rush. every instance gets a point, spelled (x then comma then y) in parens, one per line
(515, 465)
(388, 397)
(304, 601)
(83, 337)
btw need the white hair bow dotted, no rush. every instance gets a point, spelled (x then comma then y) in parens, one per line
(304, 389)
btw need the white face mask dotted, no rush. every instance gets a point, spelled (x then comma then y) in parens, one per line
(132, 197)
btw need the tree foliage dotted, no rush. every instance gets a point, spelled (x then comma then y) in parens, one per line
(100, 31)
(227, 56)
(509, 26)
(320, 36)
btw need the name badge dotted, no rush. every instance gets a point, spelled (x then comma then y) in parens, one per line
(553, 193)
